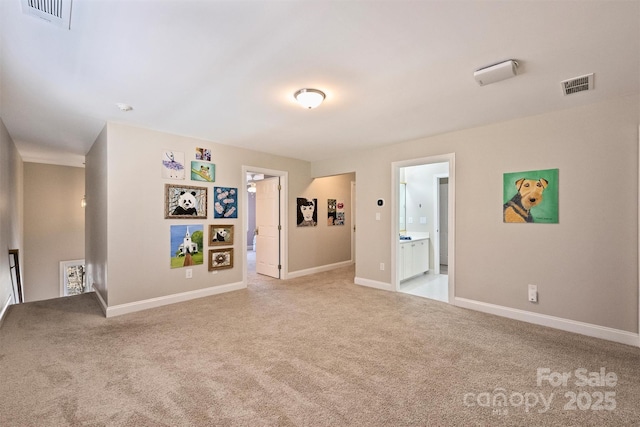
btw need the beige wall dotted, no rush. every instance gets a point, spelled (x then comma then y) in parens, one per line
(96, 236)
(322, 245)
(53, 225)
(11, 207)
(137, 252)
(585, 267)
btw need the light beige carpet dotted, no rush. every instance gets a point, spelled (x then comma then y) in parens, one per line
(313, 351)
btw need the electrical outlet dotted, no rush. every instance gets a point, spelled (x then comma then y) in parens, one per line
(533, 293)
(382, 266)
(189, 273)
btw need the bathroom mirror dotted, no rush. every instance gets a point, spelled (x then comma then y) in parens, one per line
(402, 206)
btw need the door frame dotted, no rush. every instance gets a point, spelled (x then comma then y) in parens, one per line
(284, 203)
(353, 221)
(395, 228)
(436, 216)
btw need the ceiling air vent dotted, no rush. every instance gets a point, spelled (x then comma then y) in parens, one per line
(577, 84)
(56, 12)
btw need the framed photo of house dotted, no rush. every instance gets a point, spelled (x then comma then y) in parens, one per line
(186, 245)
(219, 259)
(220, 234)
(185, 201)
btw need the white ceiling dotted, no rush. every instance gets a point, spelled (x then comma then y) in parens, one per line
(226, 71)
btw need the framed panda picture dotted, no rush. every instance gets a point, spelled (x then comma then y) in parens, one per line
(220, 235)
(185, 201)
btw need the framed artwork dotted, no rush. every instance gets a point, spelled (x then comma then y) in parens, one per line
(172, 165)
(203, 154)
(186, 245)
(306, 212)
(185, 201)
(530, 197)
(203, 171)
(225, 202)
(72, 277)
(335, 212)
(220, 235)
(219, 259)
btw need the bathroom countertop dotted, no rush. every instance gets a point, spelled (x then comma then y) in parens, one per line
(414, 237)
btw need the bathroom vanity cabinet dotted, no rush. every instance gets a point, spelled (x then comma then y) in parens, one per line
(414, 257)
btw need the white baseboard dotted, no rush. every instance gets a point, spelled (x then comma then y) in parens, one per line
(374, 284)
(132, 307)
(582, 328)
(5, 308)
(314, 270)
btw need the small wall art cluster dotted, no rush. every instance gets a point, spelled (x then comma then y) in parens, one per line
(192, 202)
(307, 213)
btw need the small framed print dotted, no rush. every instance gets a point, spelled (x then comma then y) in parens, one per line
(202, 171)
(220, 235)
(173, 165)
(219, 259)
(185, 201)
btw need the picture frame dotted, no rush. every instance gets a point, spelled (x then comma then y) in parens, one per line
(225, 202)
(307, 212)
(220, 234)
(173, 164)
(531, 197)
(203, 171)
(72, 277)
(220, 259)
(186, 248)
(185, 201)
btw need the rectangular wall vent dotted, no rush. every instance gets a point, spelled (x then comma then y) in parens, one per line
(56, 12)
(577, 84)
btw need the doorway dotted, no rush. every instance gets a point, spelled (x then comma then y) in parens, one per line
(424, 215)
(16, 277)
(264, 224)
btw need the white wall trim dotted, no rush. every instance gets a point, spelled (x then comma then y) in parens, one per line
(5, 308)
(132, 307)
(374, 284)
(320, 269)
(582, 328)
(284, 216)
(395, 242)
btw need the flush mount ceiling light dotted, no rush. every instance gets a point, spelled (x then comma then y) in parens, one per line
(124, 107)
(309, 98)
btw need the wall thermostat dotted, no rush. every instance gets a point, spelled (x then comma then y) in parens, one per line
(380, 202)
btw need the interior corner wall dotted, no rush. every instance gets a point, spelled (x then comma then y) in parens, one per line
(324, 244)
(11, 212)
(585, 267)
(96, 237)
(138, 234)
(53, 224)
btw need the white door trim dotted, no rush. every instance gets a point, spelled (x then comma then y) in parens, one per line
(395, 229)
(284, 203)
(436, 216)
(353, 221)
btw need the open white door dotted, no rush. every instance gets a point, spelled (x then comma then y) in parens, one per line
(268, 226)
